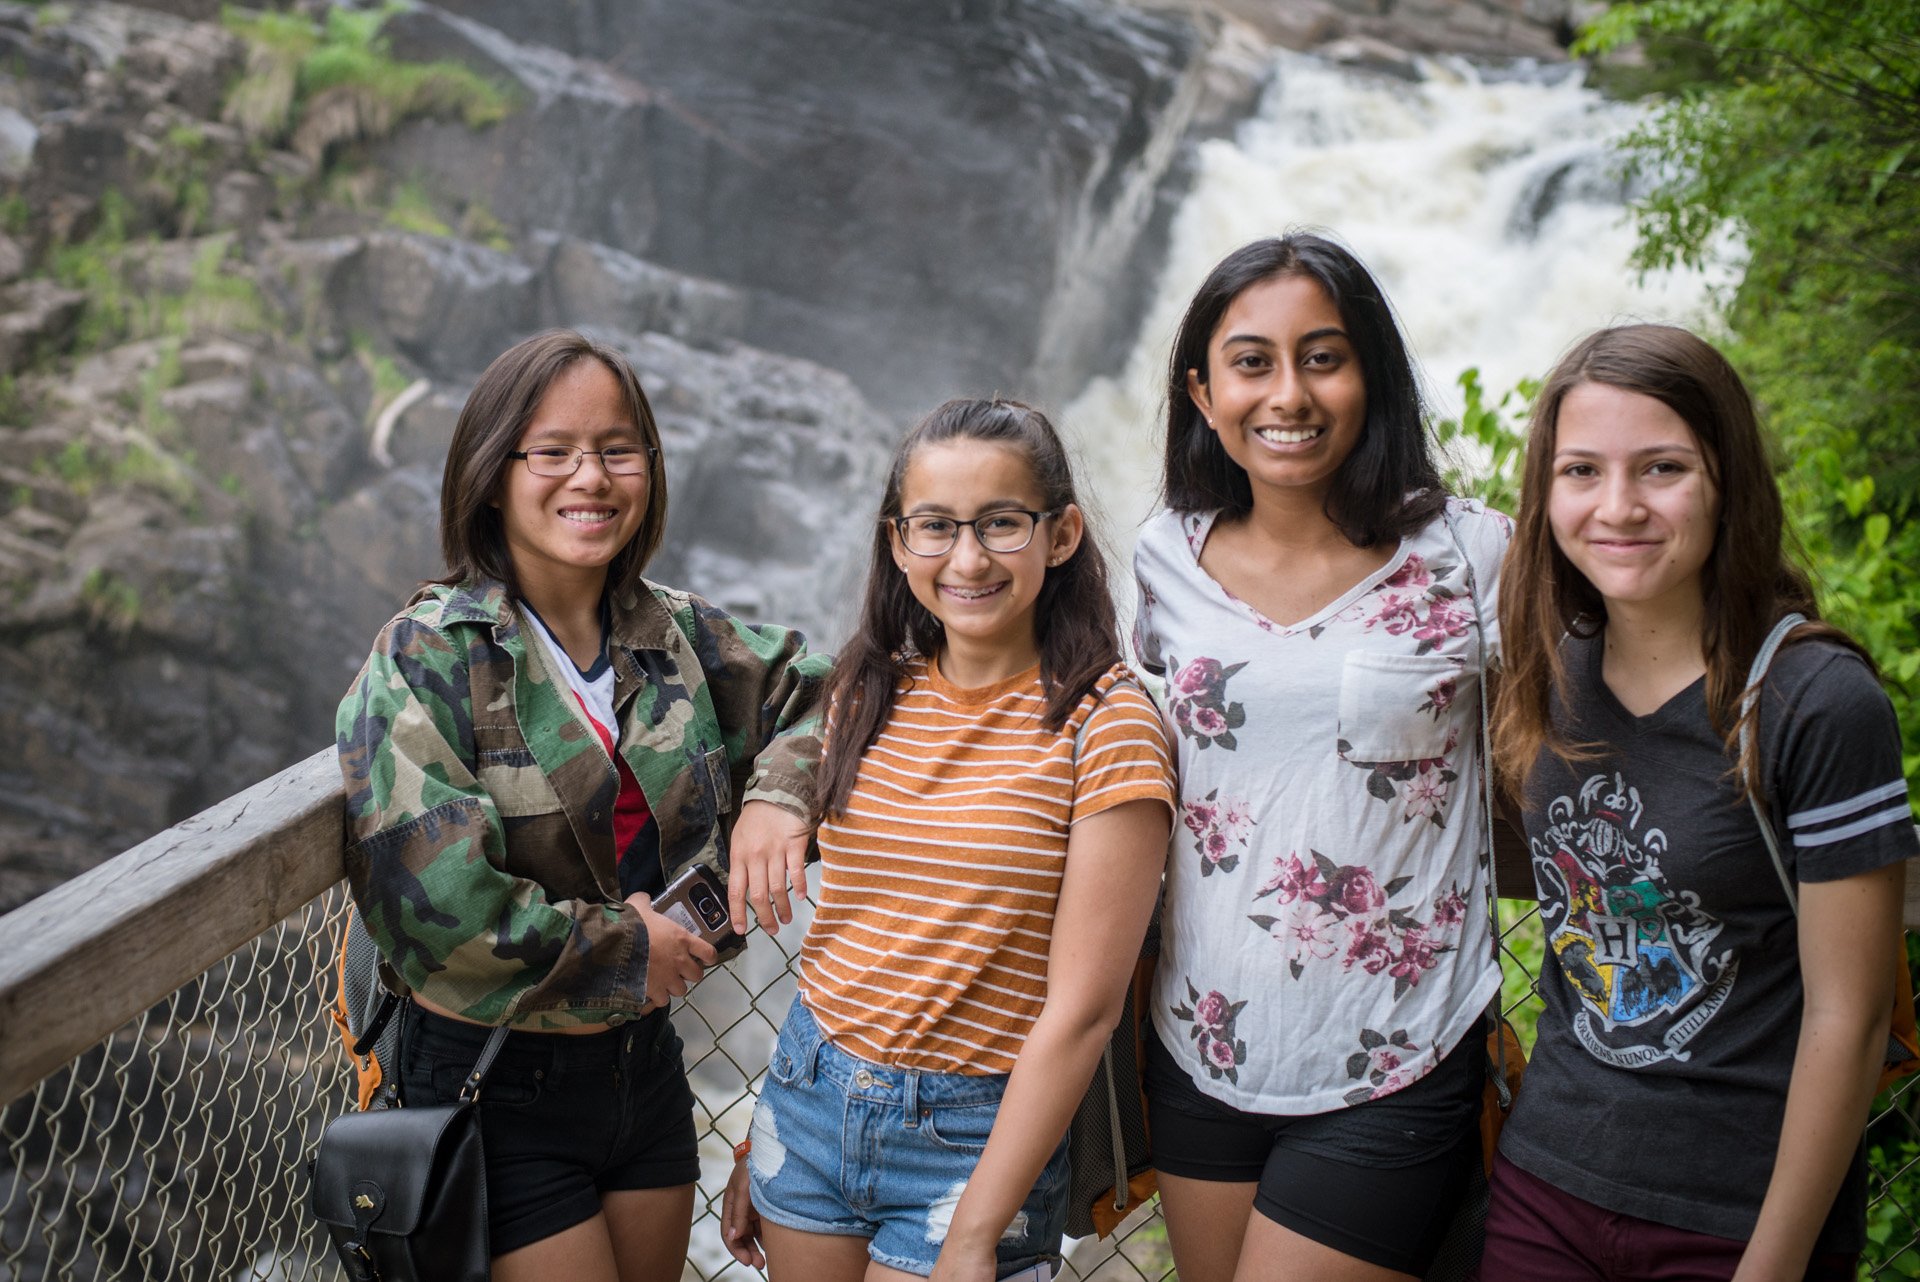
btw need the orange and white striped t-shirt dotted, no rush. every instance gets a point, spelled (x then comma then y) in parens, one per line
(929, 949)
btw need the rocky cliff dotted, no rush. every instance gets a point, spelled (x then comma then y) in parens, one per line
(249, 266)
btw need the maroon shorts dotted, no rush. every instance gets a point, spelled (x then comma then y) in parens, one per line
(1538, 1233)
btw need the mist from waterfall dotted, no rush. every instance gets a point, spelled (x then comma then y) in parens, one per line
(1492, 210)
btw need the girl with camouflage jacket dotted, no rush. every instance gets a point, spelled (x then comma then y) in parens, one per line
(537, 744)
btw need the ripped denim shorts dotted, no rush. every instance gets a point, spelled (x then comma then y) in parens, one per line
(857, 1149)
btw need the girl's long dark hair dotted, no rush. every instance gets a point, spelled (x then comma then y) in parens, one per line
(1388, 486)
(1074, 622)
(1749, 580)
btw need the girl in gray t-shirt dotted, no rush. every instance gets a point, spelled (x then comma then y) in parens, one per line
(1705, 1058)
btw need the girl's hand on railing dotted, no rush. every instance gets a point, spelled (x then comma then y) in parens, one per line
(769, 855)
(676, 957)
(739, 1222)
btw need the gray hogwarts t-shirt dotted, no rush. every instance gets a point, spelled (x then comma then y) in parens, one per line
(1671, 982)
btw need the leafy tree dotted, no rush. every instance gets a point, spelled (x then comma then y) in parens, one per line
(1802, 144)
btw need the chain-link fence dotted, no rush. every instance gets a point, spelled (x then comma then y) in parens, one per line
(174, 1147)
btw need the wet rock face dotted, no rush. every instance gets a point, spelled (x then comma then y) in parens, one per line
(804, 223)
(902, 192)
(1496, 29)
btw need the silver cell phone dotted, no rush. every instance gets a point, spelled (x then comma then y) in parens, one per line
(697, 899)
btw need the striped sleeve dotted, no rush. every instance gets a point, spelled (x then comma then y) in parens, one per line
(1123, 754)
(1842, 794)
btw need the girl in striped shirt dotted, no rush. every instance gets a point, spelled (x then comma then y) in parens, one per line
(995, 803)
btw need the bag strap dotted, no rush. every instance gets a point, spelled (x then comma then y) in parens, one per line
(1756, 676)
(470, 1089)
(1499, 1064)
(1486, 738)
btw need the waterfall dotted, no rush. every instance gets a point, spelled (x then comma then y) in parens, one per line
(1491, 208)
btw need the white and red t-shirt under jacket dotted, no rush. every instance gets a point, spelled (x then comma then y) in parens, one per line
(940, 880)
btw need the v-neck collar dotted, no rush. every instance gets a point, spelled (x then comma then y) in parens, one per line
(1195, 528)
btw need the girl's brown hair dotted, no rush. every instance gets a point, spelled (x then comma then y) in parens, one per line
(502, 403)
(1748, 581)
(1074, 621)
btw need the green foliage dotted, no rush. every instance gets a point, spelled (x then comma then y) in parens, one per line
(480, 225)
(75, 465)
(16, 215)
(215, 298)
(1524, 952)
(164, 373)
(180, 174)
(313, 85)
(1483, 449)
(111, 600)
(1893, 1183)
(157, 471)
(92, 265)
(1804, 144)
(410, 208)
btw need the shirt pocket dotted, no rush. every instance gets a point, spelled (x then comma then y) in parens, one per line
(515, 781)
(1396, 707)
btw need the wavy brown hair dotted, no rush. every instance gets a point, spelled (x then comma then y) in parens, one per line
(1388, 486)
(1074, 622)
(472, 537)
(1748, 582)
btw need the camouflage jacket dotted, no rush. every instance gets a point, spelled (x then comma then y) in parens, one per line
(480, 803)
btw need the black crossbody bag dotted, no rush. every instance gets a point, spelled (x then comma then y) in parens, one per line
(403, 1191)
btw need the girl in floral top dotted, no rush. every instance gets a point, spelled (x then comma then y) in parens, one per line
(1313, 597)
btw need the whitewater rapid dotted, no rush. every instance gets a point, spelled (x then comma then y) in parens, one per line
(1492, 209)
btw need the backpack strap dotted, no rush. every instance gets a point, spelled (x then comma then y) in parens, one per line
(1756, 677)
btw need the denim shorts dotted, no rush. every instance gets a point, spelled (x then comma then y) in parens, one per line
(567, 1117)
(857, 1149)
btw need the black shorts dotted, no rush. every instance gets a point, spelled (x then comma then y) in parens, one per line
(563, 1118)
(1379, 1181)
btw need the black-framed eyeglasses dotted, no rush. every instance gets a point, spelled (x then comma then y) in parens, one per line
(564, 460)
(1007, 530)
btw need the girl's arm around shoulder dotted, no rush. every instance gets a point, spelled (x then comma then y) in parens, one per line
(1114, 861)
(426, 855)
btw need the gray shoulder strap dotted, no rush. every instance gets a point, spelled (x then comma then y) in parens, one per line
(1756, 676)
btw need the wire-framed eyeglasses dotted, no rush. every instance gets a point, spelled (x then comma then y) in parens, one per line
(564, 460)
(1007, 530)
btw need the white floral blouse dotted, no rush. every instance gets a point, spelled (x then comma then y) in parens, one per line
(1326, 937)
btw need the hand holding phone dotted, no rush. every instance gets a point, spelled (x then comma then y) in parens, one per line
(677, 958)
(697, 900)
